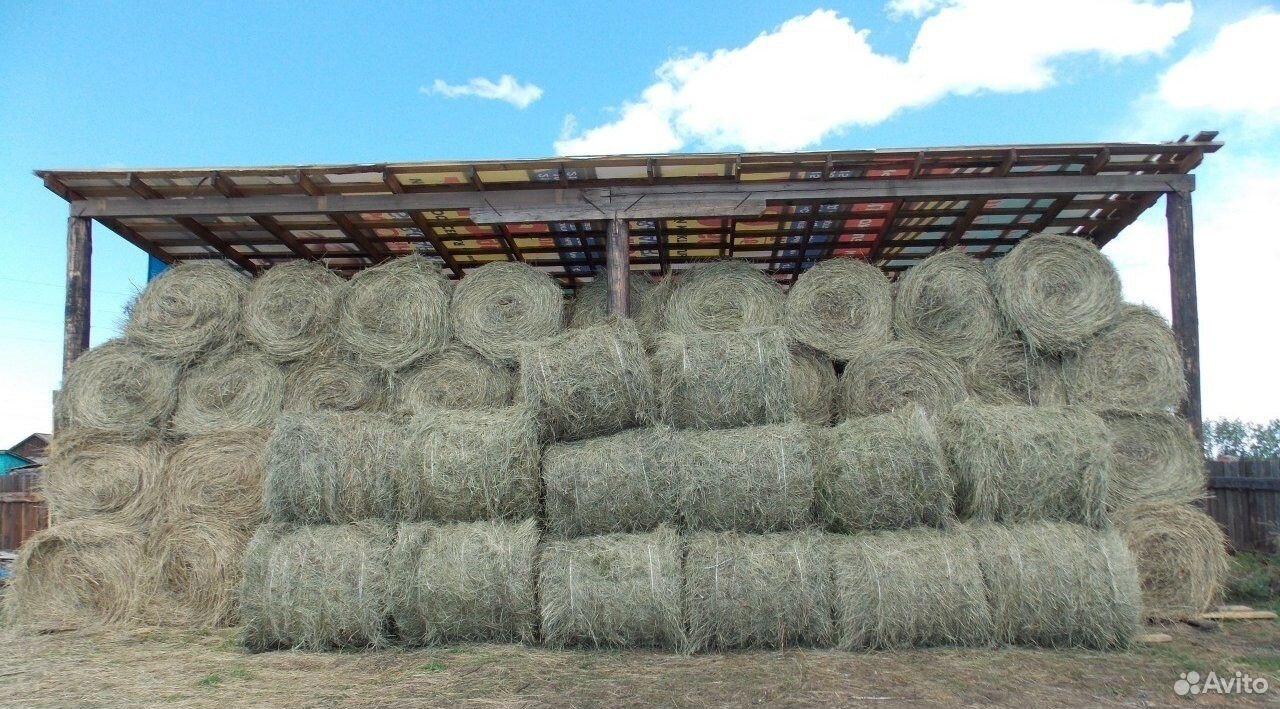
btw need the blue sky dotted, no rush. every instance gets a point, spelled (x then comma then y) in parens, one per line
(179, 84)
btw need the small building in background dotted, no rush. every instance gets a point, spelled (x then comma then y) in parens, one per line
(32, 450)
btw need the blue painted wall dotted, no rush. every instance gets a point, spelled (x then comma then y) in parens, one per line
(9, 461)
(155, 267)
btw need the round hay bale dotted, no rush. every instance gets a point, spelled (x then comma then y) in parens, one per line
(504, 304)
(813, 386)
(898, 374)
(218, 476)
(290, 310)
(332, 381)
(945, 303)
(1181, 555)
(468, 582)
(189, 311)
(115, 388)
(613, 591)
(1047, 385)
(240, 391)
(196, 564)
(89, 474)
(722, 296)
(653, 308)
(316, 587)
(590, 305)
(1154, 456)
(1004, 372)
(395, 313)
(757, 591)
(885, 472)
(1132, 363)
(1025, 463)
(840, 307)
(621, 483)
(1057, 290)
(908, 588)
(589, 382)
(458, 378)
(724, 380)
(1058, 585)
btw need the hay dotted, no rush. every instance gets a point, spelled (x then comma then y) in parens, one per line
(468, 466)
(1004, 372)
(470, 582)
(1057, 290)
(395, 313)
(1047, 385)
(813, 386)
(241, 390)
(504, 304)
(724, 380)
(945, 304)
(332, 381)
(909, 588)
(589, 382)
(327, 468)
(89, 474)
(840, 307)
(1154, 456)
(115, 388)
(722, 296)
(218, 476)
(898, 374)
(885, 472)
(316, 587)
(1181, 555)
(457, 378)
(1023, 463)
(590, 305)
(621, 483)
(653, 308)
(290, 310)
(748, 591)
(616, 591)
(189, 311)
(1133, 364)
(196, 563)
(1058, 585)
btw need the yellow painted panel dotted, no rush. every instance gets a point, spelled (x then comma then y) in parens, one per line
(433, 178)
(504, 175)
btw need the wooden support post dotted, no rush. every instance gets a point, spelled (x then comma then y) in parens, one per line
(618, 266)
(75, 332)
(1186, 315)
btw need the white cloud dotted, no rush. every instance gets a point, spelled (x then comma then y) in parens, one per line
(1233, 75)
(899, 9)
(505, 89)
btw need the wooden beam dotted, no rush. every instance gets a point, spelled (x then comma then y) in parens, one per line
(75, 323)
(1186, 315)
(618, 267)
(217, 243)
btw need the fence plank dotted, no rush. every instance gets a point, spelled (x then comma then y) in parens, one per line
(1245, 500)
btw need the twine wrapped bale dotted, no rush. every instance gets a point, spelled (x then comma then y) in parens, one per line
(465, 582)
(1024, 463)
(457, 378)
(189, 311)
(840, 307)
(724, 380)
(1058, 585)
(614, 590)
(722, 296)
(1003, 372)
(316, 587)
(290, 310)
(89, 474)
(1154, 456)
(748, 591)
(469, 466)
(898, 374)
(589, 382)
(621, 483)
(196, 562)
(945, 303)
(241, 390)
(1133, 363)
(591, 302)
(115, 388)
(813, 386)
(217, 476)
(1181, 556)
(885, 472)
(395, 313)
(502, 305)
(332, 381)
(908, 588)
(1057, 290)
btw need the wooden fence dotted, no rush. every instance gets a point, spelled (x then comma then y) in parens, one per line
(1244, 497)
(23, 511)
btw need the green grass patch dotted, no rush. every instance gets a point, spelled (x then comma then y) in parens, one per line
(1254, 577)
(211, 680)
(433, 666)
(1174, 655)
(1267, 662)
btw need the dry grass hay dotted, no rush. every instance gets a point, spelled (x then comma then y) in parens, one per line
(504, 304)
(1024, 463)
(621, 483)
(615, 590)
(1003, 372)
(1181, 555)
(89, 475)
(885, 472)
(1047, 385)
(898, 374)
(395, 313)
(589, 382)
(1133, 363)
(591, 302)
(748, 591)
(333, 381)
(946, 304)
(468, 466)
(316, 587)
(196, 563)
(724, 380)
(188, 311)
(813, 386)
(458, 378)
(1154, 456)
(218, 476)
(1057, 290)
(242, 390)
(465, 582)
(1058, 585)
(722, 296)
(909, 588)
(840, 307)
(115, 388)
(290, 310)
(653, 309)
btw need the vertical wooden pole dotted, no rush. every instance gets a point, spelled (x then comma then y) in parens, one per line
(1186, 314)
(618, 266)
(75, 332)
